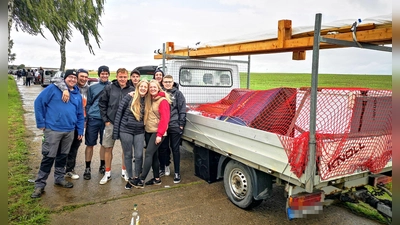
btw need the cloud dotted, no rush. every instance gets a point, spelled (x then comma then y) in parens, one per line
(132, 30)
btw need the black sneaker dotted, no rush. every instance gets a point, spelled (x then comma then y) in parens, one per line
(102, 170)
(138, 184)
(65, 184)
(37, 193)
(133, 181)
(153, 181)
(177, 178)
(162, 173)
(86, 174)
(128, 186)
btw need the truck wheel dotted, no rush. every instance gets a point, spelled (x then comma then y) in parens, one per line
(238, 185)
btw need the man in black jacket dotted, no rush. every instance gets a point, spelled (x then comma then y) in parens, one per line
(175, 129)
(135, 78)
(108, 104)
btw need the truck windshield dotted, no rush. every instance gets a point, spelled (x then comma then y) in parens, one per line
(205, 77)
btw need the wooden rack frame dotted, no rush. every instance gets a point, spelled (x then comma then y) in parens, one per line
(367, 34)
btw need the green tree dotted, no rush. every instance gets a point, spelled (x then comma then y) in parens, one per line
(60, 17)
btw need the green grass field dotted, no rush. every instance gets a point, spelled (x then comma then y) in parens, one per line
(264, 81)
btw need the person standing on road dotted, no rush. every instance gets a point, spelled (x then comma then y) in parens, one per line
(129, 128)
(94, 122)
(23, 74)
(157, 114)
(133, 81)
(83, 88)
(108, 105)
(175, 129)
(29, 77)
(58, 121)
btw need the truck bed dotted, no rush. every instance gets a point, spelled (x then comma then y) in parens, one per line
(259, 149)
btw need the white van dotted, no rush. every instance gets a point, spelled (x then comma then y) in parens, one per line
(47, 75)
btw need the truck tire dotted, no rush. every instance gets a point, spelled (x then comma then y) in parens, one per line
(238, 183)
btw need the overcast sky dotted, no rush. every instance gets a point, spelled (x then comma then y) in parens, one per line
(132, 29)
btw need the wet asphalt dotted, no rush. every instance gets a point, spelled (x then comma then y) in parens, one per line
(193, 201)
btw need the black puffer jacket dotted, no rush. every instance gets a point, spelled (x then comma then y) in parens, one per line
(110, 99)
(178, 110)
(125, 121)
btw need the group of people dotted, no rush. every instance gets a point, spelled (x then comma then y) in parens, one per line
(147, 115)
(30, 76)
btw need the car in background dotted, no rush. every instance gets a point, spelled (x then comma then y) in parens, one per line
(47, 75)
(59, 76)
(146, 72)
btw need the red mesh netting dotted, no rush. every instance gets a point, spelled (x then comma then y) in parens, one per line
(353, 125)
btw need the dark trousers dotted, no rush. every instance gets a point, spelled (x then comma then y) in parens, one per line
(52, 154)
(28, 81)
(172, 141)
(71, 158)
(151, 156)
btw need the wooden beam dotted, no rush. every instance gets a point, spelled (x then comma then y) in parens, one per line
(381, 35)
(284, 32)
(299, 55)
(344, 29)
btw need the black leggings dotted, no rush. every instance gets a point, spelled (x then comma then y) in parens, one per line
(151, 156)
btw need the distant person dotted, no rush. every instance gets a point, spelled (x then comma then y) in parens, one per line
(29, 77)
(108, 105)
(24, 74)
(94, 122)
(157, 114)
(58, 120)
(129, 128)
(19, 75)
(83, 88)
(41, 75)
(36, 73)
(175, 129)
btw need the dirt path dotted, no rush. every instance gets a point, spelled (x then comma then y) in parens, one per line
(193, 201)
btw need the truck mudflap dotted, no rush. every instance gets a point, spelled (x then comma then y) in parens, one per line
(302, 204)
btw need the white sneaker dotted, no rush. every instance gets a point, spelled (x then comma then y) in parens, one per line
(72, 175)
(106, 178)
(167, 171)
(124, 175)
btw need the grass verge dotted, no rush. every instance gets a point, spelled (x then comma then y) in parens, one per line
(22, 209)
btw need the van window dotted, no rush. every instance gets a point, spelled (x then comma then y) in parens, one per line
(146, 72)
(205, 77)
(49, 72)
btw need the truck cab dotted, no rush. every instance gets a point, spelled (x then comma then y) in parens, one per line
(203, 81)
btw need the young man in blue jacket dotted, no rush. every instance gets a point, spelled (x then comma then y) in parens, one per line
(94, 122)
(58, 121)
